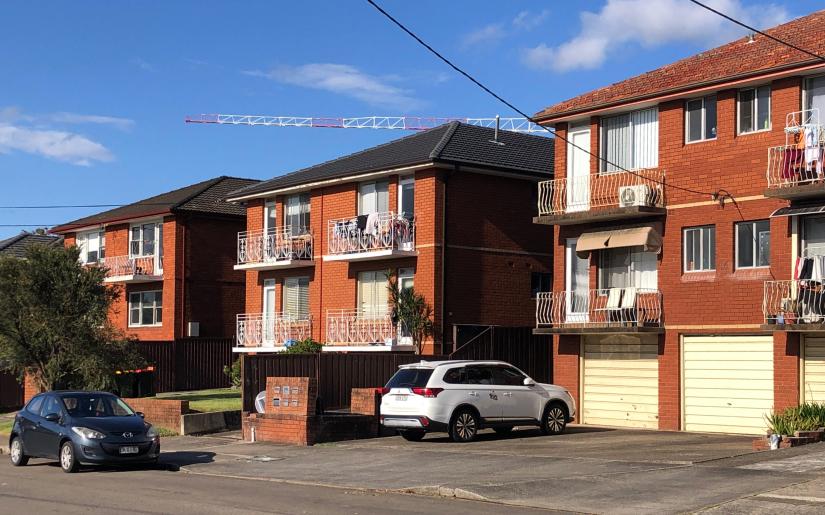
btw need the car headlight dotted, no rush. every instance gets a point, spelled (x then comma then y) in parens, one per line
(151, 433)
(89, 434)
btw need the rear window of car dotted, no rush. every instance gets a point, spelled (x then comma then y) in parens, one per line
(410, 378)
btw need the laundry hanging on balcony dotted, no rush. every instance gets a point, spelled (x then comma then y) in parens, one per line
(646, 237)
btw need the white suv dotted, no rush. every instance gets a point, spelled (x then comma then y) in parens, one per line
(461, 397)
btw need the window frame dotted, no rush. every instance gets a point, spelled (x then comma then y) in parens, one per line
(542, 277)
(83, 239)
(603, 142)
(700, 228)
(157, 241)
(296, 283)
(304, 206)
(383, 184)
(270, 208)
(140, 308)
(406, 180)
(755, 109)
(703, 123)
(754, 242)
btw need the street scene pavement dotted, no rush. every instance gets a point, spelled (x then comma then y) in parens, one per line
(587, 470)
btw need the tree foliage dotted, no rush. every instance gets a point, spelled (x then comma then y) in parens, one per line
(411, 312)
(305, 346)
(54, 324)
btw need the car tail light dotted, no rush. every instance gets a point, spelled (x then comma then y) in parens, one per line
(430, 393)
(424, 421)
(382, 391)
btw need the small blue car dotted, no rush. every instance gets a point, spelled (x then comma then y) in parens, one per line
(82, 428)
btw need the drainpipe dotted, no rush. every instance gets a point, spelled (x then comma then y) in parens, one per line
(444, 257)
(183, 272)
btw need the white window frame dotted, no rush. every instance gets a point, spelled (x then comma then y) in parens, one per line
(704, 124)
(406, 278)
(270, 207)
(754, 243)
(755, 111)
(376, 207)
(158, 241)
(633, 267)
(301, 202)
(404, 181)
(82, 242)
(297, 284)
(603, 142)
(377, 277)
(699, 228)
(140, 308)
(803, 248)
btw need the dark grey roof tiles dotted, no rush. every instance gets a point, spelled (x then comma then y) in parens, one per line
(17, 245)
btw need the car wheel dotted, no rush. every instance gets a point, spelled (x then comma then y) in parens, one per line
(464, 425)
(68, 460)
(412, 435)
(503, 430)
(555, 420)
(18, 457)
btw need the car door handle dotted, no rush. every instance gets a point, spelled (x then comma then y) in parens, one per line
(473, 394)
(507, 394)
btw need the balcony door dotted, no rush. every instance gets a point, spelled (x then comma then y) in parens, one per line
(373, 197)
(578, 169)
(815, 98)
(576, 284)
(268, 316)
(373, 296)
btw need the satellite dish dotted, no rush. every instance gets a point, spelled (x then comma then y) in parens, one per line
(260, 402)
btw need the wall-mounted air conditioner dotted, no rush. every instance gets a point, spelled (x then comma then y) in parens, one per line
(637, 195)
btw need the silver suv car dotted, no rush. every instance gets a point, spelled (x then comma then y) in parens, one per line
(462, 397)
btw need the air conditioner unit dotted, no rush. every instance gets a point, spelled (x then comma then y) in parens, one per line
(638, 195)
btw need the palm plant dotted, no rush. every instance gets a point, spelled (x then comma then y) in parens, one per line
(410, 311)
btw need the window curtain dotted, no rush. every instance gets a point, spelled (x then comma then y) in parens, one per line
(631, 141)
(296, 297)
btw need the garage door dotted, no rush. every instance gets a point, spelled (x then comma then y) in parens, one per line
(814, 370)
(620, 382)
(728, 383)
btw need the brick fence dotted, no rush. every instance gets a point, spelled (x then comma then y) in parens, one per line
(163, 413)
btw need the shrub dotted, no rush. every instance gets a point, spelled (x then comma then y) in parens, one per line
(806, 417)
(233, 372)
(306, 346)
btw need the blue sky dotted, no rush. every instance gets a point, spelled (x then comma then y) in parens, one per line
(93, 94)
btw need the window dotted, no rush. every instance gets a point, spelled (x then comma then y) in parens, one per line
(814, 236)
(454, 376)
(479, 375)
(51, 405)
(406, 197)
(373, 197)
(410, 378)
(627, 266)
(754, 109)
(297, 213)
(92, 246)
(507, 376)
(145, 238)
(35, 404)
(145, 308)
(753, 244)
(296, 297)
(406, 278)
(270, 216)
(373, 296)
(700, 248)
(815, 96)
(540, 282)
(631, 141)
(700, 119)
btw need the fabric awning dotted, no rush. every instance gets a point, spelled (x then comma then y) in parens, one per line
(798, 210)
(646, 237)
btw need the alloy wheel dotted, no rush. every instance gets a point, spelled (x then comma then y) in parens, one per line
(465, 426)
(16, 451)
(555, 419)
(67, 457)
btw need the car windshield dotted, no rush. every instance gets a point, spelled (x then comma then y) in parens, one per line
(95, 405)
(410, 377)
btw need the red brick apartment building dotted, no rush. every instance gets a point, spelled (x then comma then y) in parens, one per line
(172, 254)
(677, 300)
(448, 210)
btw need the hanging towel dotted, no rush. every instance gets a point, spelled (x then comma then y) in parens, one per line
(372, 224)
(361, 222)
(806, 270)
(796, 268)
(818, 269)
(791, 162)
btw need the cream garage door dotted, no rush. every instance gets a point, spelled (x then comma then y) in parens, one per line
(728, 383)
(620, 381)
(813, 389)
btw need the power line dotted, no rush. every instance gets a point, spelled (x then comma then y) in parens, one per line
(519, 111)
(67, 206)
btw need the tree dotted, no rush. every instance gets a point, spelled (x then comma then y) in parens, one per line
(54, 324)
(411, 312)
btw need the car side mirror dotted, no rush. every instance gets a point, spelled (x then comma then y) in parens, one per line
(529, 382)
(139, 413)
(52, 417)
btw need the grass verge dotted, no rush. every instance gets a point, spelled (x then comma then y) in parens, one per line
(217, 399)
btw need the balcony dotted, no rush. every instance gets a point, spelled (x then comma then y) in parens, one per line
(602, 197)
(795, 169)
(259, 332)
(794, 305)
(613, 310)
(273, 249)
(360, 330)
(129, 269)
(369, 237)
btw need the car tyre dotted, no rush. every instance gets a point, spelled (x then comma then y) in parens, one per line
(554, 420)
(18, 457)
(464, 425)
(503, 430)
(68, 459)
(412, 435)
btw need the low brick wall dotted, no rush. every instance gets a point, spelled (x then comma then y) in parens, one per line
(30, 389)
(366, 401)
(165, 413)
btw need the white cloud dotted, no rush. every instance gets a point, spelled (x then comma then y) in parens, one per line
(650, 24)
(75, 118)
(346, 80)
(487, 35)
(528, 21)
(143, 65)
(58, 145)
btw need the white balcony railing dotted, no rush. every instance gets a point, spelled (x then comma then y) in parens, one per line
(612, 307)
(359, 327)
(272, 330)
(273, 245)
(368, 233)
(790, 165)
(129, 266)
(605, 190)
(793, 302)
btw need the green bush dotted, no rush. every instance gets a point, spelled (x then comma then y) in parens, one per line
(234, 373)
(807, 417)
(306, 346)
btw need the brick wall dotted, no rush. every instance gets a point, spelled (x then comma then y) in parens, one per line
(163, 413)
(366, 401)
(30, 389)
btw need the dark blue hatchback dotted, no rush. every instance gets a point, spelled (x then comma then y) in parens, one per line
(82, 428)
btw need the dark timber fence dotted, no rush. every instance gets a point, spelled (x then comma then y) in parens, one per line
(516, 345)
(189, 363)
(11, 392)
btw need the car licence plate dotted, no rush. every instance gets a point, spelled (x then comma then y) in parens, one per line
(129, 450)
(401, 398)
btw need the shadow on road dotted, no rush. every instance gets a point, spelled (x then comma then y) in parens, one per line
(489, 436)
(173, 461)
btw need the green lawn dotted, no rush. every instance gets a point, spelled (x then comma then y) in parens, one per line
(5, 426)
(219, 399)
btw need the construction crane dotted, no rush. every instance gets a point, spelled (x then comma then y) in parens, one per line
(407, 123)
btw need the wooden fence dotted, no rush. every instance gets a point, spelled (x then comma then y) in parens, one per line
(516, 345)
(189, 363)
(11, 392)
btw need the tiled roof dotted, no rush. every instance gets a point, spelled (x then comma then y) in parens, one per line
(203, 197)
(738, 59)
(452, 142)
(17, 245)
